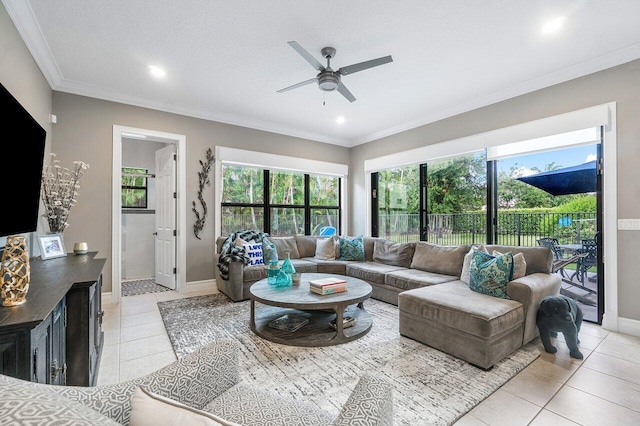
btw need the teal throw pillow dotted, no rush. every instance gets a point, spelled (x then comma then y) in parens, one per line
(269, 251)
(352, 248)
(490, 274)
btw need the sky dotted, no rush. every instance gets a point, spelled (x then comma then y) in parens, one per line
(563, 157)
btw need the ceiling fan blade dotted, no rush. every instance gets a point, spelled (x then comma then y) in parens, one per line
(345, 92)
(350, 69)
(306, 55)
(295, 86)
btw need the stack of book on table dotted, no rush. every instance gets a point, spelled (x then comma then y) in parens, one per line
(328, 285)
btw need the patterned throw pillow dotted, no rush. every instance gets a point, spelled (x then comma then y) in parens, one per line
(269, 251)
(352, 248)
(519, 265)
(490, 274)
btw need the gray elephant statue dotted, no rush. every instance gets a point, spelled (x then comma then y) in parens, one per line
(560, 314)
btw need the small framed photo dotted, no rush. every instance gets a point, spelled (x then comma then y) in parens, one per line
(51, 246)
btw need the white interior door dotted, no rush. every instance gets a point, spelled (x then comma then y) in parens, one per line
(166, 217)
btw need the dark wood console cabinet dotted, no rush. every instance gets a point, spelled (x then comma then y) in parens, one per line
(56, 336)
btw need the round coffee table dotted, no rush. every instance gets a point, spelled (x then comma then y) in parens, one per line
(299, 301)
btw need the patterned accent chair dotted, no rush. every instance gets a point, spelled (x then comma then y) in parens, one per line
(207, 379)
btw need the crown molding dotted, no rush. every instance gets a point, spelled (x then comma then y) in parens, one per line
(25, 21)
(582, 69)
(112, 95)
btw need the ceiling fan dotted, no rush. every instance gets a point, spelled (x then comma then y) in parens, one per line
(328, 79)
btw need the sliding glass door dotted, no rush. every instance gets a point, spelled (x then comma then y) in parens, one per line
(527, 193)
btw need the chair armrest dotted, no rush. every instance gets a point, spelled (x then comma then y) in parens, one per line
(193, 380)
(233, 288)
(370, 404)
(530, 290)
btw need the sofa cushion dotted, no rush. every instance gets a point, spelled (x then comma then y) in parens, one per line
(352, 248)
(148, 408)
(250, 406)
(466, 263)
(407, 279)
(391, 253)
(302, 265)
(284, 245)
(372, 272)
(440, 259)
(29, 403)
(455, 305)
(330, 266)
(254, 273)
(539, 259)
(306, 245)
(326, 248)
(491, 274)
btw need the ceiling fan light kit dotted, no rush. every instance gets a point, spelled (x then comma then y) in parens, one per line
(327, 79)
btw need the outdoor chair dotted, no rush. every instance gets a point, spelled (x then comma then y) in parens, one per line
(590, 248)
(559, 258)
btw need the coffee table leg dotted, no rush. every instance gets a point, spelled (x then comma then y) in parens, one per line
(361, 305)
(253, 314)
(340, 320)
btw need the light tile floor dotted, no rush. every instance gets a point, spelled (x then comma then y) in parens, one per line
(602, 389)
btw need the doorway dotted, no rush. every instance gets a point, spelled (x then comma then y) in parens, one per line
(149, 212)
(553, 198)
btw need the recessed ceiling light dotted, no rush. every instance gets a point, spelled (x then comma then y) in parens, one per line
(553, 25)
(156, 71)
(340, 119)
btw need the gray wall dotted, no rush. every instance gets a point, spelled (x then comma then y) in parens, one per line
(20, 74)
(620, 84)
(85, 132)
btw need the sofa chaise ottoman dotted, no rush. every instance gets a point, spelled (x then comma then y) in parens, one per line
(476, 327)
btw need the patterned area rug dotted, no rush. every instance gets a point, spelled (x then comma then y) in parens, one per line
(135, 287)
(430, 387)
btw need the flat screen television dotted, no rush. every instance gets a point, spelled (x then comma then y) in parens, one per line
(22, 167)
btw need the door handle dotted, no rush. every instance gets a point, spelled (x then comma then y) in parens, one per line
(155, 233)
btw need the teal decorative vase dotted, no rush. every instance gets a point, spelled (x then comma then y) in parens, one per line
(287, 266)
(272, 273)
(283, 279)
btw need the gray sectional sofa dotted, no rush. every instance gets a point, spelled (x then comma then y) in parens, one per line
(423, 280)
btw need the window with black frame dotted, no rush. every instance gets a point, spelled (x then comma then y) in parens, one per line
(279, 202)
(134, 188)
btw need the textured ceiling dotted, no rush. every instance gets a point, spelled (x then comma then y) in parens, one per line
(226, 59)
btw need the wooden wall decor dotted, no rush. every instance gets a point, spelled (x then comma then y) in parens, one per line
(14, 283)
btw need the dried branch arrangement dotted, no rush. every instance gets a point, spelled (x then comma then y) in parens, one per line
(60, 191)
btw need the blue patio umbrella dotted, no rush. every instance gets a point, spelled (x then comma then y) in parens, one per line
(568, 180)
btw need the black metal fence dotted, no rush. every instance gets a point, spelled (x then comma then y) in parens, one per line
(513, 228)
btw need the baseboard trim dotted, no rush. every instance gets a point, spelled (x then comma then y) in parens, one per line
(194, 286)
(629, 326)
